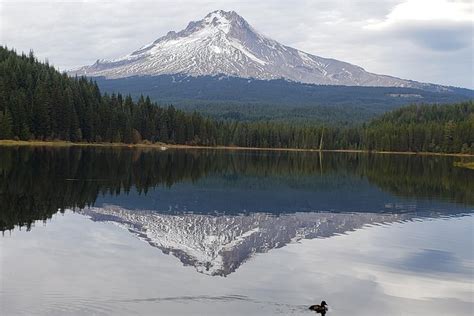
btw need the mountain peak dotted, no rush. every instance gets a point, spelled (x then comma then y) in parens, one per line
(219, 20)
(223, 43)
(223, 20)
(222, 14)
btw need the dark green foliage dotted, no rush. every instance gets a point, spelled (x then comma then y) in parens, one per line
(6, 129)
(37, 102)
(231, 98)
(424, 128)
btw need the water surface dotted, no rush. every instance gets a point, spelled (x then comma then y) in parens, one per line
(126, 231)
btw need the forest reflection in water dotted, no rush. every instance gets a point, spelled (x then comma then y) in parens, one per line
(37, 182)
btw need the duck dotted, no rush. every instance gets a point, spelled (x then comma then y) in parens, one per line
(320, 309)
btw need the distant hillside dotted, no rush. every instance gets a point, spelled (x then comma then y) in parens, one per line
(241, 99)
(428, 114)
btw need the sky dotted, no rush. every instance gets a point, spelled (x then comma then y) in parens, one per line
(423, 40)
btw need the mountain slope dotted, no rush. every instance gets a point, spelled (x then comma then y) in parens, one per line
(224, 43)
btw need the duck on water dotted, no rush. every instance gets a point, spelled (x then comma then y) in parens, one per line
(320, 309)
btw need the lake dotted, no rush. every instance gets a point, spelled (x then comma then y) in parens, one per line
(121, 231)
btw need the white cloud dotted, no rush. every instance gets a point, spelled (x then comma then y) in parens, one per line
(427, 10)
(439, 25)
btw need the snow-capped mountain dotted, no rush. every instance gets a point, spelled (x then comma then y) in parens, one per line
(218, 245)
(223, 43)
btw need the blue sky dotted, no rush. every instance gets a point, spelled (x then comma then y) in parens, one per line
(424, 40)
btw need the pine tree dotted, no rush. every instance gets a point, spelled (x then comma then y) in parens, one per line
(6, 125)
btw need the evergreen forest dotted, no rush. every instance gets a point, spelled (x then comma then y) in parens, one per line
(39, 103)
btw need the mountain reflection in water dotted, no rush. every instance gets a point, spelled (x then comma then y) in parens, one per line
(218, 245)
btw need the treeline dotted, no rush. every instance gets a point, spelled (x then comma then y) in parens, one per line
(39, 103)
(430, 128)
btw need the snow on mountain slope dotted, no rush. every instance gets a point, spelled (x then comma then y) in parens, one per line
(218, 245)
(223, 43)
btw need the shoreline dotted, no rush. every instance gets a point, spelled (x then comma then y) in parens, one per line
(12, 143)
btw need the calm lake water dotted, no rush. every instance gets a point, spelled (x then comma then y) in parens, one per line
(96, 231)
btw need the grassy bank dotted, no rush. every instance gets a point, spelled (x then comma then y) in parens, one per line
(466, 165)
(60, 143)
(162, 146)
